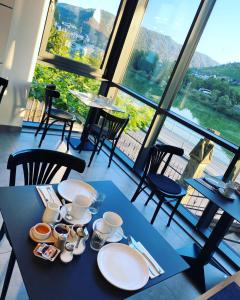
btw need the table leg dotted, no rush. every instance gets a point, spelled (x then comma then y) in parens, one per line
(204, 271)
(84, 143)
(207, 216)
(215, 238)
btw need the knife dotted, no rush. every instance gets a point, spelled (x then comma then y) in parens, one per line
(148, 258)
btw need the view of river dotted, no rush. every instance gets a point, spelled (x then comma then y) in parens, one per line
(209, 118)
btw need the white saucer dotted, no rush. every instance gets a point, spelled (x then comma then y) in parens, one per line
(83, 221)
(214, 181)
(116, 237)
(231, 197)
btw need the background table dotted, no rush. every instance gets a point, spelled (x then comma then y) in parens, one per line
(200, 257)
(21, 208)
(95, 103)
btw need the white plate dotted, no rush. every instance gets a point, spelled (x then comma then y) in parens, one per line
(216, 182)
(123, 266)
(116, 237)
(231, 197)
(70, 188)
(83, 221)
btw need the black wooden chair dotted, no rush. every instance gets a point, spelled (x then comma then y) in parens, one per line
(3, 86)
(39, 167)
(160, 185)
(109, 128)
(57, 115)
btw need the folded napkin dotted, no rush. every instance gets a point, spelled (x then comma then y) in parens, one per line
(47, 193)
(144, 250)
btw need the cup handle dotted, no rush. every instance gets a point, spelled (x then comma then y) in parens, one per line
(60, 217)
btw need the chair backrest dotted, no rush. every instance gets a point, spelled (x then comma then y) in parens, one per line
(160, 157)
(3, 86)
(50, 93)
(113, 126)
(40, 165)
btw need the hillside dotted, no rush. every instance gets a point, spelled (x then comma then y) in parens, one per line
(231, 70)
(98, 25)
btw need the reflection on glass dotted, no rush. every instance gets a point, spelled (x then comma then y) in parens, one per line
(210, 92)
(81, 29)
(140, 118)
(161, 36)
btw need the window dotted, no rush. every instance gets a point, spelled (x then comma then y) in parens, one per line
(80, 30)
(159, 42)
(210, 92)
(140, 118)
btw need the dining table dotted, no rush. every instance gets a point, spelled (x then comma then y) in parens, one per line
(207, 271)
(95, 103)
(22, 207)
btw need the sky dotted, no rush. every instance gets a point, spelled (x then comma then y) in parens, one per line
(220, 40)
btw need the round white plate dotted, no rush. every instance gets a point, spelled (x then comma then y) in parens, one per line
(83, 221)
(216, 182)
(70, 188)
(116, 237)
(231, 197)
(123, 266)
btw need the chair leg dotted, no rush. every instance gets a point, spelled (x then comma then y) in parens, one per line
(100, 148)
(111, 154)
(44, 132)
(149, 198)
(156, 211)
(93, 153)
(69, 135)
(8, 275)
(173, 211)
(40, 125)
(2, 232)
(138, 191)
(63, 131)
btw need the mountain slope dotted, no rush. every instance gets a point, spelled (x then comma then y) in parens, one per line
(97, 24)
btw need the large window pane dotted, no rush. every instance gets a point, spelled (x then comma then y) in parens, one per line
(81, 29)
(210, 93)
(140, 118)
(161, 36)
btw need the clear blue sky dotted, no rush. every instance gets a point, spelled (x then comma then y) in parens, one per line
(220, 40)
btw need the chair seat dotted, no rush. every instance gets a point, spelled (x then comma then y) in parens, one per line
(165, 185)
(62, 115)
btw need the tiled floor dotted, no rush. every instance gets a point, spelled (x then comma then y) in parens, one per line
(177, 288)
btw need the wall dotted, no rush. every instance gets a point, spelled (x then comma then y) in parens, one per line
(24, 37)
(6, 9)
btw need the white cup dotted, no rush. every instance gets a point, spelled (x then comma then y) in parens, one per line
(111, 222)
(229, 189)
(80, 206)
(51, 213)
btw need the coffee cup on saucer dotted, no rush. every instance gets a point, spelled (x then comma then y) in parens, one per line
(229, 189)
(111, 222)
(60, 229)
(41, 231)
(80, 206)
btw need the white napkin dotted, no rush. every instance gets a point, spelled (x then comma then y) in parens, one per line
(144, 250)
(47, 193)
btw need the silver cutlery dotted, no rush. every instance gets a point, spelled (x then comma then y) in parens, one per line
(132, 242)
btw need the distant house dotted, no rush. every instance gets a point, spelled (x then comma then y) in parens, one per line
(205, 91)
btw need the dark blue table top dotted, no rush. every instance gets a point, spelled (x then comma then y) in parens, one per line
(21, 208)
(232, 207)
